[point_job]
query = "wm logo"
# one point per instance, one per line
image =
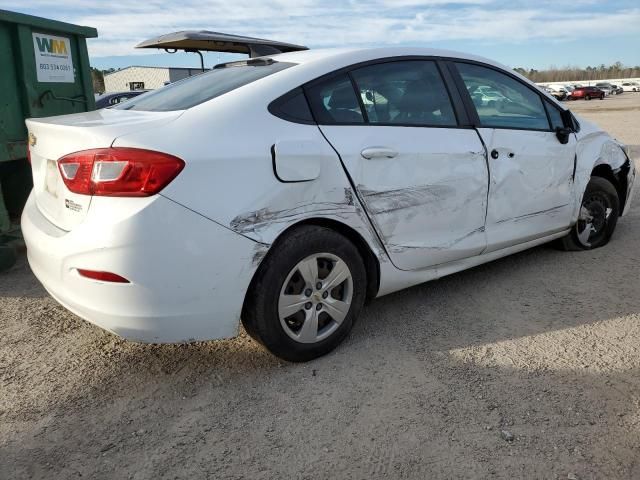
(49, 45)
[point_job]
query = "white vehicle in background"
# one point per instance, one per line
(569, 89)
(486, 95)
(558, 91)
(631, 86)
(267, 191)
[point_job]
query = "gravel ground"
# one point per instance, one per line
(618, 115)
(523, 368)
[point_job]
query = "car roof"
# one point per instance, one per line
(355, 55)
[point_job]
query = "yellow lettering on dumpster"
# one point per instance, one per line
(58, 46)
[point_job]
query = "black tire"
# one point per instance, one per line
(602, 97)
(260, 315)
(588, 97)
(599, 196)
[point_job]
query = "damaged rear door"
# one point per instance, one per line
(420, 172)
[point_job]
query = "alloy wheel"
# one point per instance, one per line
(594, 217)
(315, 298)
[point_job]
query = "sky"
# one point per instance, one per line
(535, 34)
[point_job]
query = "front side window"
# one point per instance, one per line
(195, 90)
(501, 101)
(555, 116)
(404, 93)
(334, 101)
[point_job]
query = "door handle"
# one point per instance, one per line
(378, 152)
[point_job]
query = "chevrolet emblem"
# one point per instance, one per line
(32, 139)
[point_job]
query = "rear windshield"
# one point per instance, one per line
(198, 89)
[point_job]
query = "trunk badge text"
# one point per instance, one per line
(73, 206)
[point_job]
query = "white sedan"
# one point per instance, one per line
(285, 191)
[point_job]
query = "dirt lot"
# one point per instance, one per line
(619, 115)
(524, 368)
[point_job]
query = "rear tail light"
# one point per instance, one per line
(118, 171)
(102, 276)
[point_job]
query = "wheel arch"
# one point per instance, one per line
(371, 263)
(618, 179)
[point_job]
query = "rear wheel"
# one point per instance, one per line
(588, 97)
(602, 97)
(598, 216)
(306, 295)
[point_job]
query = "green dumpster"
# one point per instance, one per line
(44, 72)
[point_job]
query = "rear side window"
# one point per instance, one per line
(201, 88)
(334, 101)
(405, 93)
(293, 107)
(502, 101)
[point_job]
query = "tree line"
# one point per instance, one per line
(602, 72)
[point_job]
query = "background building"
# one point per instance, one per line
(145, 78)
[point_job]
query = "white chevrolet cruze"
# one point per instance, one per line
(284, 191)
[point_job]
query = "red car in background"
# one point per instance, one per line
(587, 93)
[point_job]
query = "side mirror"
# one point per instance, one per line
(563, 134)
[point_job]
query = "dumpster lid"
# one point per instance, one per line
(47, 24)
(204, 40)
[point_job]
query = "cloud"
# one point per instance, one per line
(122, 24)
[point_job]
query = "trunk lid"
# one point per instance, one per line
(54, 137)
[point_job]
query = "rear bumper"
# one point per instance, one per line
(188, 274)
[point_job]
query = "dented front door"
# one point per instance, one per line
(531, 170)
(531, 190)
(425, 189)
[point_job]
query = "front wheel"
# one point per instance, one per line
(602, 97)
(306, 294)
(598, 216)
(588, 97)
